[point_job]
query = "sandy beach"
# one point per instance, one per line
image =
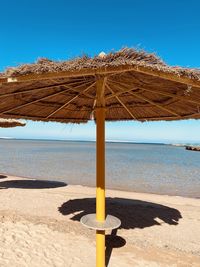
(40, 227)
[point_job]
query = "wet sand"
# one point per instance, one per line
(39, 226)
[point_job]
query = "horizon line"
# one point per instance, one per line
(107, 141)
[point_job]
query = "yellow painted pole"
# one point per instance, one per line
(100, 190)
(100, 173)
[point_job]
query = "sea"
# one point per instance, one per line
(150, 168)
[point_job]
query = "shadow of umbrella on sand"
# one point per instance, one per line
(2, 176)
(31, 184)
(132, 213)
(123, 85)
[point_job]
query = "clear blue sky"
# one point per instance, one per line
(63, 29)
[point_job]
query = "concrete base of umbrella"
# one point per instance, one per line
(99, 222)
(110, 222)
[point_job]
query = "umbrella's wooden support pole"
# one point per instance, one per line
(99, 221)
(100, 171)
(100, 183)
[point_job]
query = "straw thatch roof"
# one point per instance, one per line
(8, 123)
(138, 86)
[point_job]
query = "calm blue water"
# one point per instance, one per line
(162, 169)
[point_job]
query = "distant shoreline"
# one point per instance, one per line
(107, 141)
(85, 141)
(81, 141)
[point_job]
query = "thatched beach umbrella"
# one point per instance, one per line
(126, 85)
(9, 123)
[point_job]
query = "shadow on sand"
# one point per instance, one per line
(132, 213)
(113, 241)
(31, 184)
(2, 176)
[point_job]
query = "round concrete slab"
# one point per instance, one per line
(110, 222)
